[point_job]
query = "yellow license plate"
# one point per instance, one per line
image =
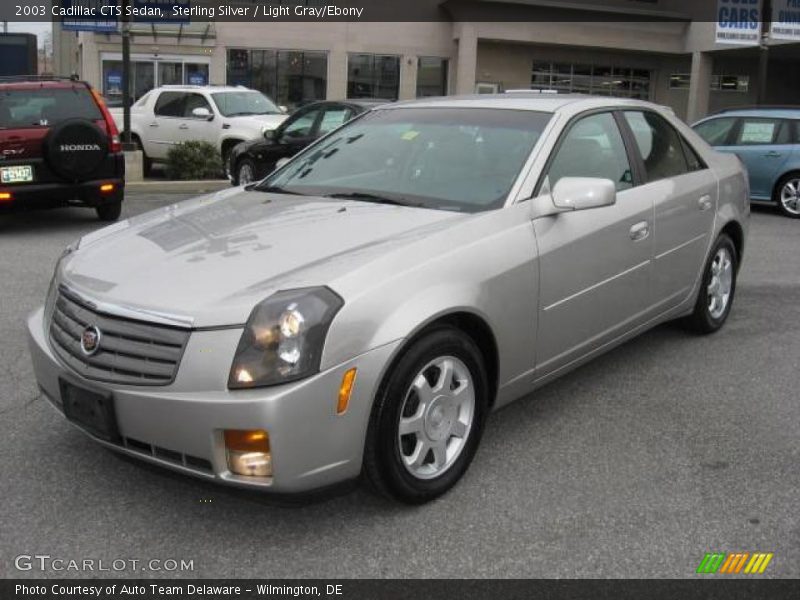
(18, 174)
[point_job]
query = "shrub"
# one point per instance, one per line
(194, 160)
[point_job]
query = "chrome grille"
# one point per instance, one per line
(130, 352)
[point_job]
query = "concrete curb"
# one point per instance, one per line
(177, 187)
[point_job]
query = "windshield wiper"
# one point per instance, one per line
(367, 197)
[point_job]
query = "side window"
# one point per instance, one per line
(659, 145)
(692, 158)
(592, 147)
(716, 131)
(333, 118)
(784, 135)
(754, 132)
(302, 125)
(194, 101)
(170, 104)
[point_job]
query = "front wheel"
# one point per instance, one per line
(428, 418)
(245, 172)
(787, 195)
(717, 288)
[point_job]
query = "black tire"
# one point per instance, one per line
(702, 320)
(383, 464)
(147, 163)
(109, 212)
(245, 163)
(792, 213)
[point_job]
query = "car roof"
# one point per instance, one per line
(784, 112)
(533, 101)
(19, 83)
(206, 88)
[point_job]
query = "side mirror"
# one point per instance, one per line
(281, 161)
(284, 109)
(270, 134)
(580, 193)
(202, 112)
(575, 193)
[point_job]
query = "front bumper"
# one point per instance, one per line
(180, 426)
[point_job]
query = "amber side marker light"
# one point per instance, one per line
(5, 196)
(107, 188)
(345, 389)
(248, 452)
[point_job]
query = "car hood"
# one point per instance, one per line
(210, 260)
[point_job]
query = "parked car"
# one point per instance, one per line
(767, 140)
(362, 309)
(220, 115)
(255, 159)
(58, 147)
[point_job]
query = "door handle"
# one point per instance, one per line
(704, 203)
(184, 126)
(153, 124)
(640, 231)
(773, 154)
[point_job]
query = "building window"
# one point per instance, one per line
(290, 77)
(719, 83)
(373, 76)
(431, 76)
(591, 79)
(149, 73)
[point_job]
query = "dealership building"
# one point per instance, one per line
(650, 49)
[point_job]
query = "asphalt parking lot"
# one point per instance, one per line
(635, 465)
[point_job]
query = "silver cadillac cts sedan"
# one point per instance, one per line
(360, 311)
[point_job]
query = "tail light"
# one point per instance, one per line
(114, 143)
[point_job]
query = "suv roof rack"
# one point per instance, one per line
(18, 78)
(759, 107)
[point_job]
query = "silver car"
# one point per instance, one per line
(362, 310)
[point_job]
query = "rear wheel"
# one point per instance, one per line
(109, 212)
(787, 195)
(717, 288)
(147, 163)
(428, 418)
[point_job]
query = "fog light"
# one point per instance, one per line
(5, 196)
(248, 452)
(107, 188)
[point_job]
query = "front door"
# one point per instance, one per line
(596, 264)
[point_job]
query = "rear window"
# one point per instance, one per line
(45, 107)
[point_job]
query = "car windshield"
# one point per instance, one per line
(45, 107)
(461, 159)
(234, 104)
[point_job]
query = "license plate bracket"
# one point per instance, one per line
(16, 174)
(91, 410)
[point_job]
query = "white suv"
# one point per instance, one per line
(220, 115)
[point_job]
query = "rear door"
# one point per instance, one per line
(764, 145)
(684, 192)
(194, 128)
(163, 131)
(595, 265)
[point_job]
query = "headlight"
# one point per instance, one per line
(283, 338)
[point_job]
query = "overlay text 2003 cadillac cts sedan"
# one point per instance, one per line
(362, 310)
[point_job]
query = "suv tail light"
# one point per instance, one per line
(114, 144)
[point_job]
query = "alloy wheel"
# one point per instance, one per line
(790, 196)
(721, 284)
(436, 417)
